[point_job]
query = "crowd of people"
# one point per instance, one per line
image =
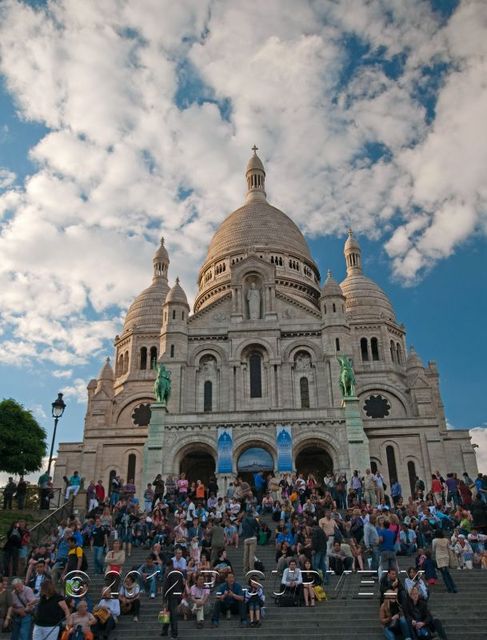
(316, 526)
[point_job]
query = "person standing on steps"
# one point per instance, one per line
(441, 556)
(159, 489)
(250, 529)
(172, 590)
(8, 494)
(319, 546)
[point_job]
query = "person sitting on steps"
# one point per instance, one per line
(229, 599)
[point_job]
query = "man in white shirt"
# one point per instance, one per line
(292, 579)
(178, 562)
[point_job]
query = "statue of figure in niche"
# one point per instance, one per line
(208, 364)
(303, 361)
(253, 299)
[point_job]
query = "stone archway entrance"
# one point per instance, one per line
(315, 459)
(198, 464)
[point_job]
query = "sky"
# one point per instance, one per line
(126, 120)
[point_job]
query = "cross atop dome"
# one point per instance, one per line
(255, 149)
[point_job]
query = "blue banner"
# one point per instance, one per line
(284, 445)
(225, 450)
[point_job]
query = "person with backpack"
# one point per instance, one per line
(77, 560)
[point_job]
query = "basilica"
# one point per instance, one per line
(255, 368)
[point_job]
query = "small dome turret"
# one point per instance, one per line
(106, 372)
(177, 295)
(414, 361)
(331, 288)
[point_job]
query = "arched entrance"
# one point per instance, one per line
(198, 464)
(314, 459)
(252, 460)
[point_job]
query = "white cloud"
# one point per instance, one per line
(62, 373)
(7, 177)
(38, 412)
(104, 77)
(77, 391)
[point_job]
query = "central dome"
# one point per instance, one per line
(258, 229)
(257, 224)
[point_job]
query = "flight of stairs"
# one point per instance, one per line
(346, 614)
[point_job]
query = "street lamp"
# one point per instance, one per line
(58, 407)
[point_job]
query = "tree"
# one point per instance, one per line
(22, 439)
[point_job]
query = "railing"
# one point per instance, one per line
(41, 531)
(32, 499)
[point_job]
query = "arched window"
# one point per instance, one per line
(412, 476)
(334, 308)
(393, 352)
(337, 344)
(120, 365)
(255, 366)
(131, 467)
(373, 466)
(182, 315)
(374, 347)
(171, 353)
(126, 362)
(324, 308)
(153, 357)
(208, 396)
(398, 353)
(143, 358)
(174, 314)
(364, 348)
(391, 463)
(304, 392)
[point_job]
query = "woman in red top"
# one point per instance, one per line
(436, 490)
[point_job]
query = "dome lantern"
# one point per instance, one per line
(160, 261)
(353, 254)
(255, 175)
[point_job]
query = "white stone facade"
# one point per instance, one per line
(263, 341)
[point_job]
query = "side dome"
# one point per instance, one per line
(363, 297)
(145, 312)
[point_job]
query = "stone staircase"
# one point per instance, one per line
(351, 611)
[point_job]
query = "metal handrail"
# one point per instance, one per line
(42, 529)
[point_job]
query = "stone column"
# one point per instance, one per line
(358, 443)
(153, 448)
